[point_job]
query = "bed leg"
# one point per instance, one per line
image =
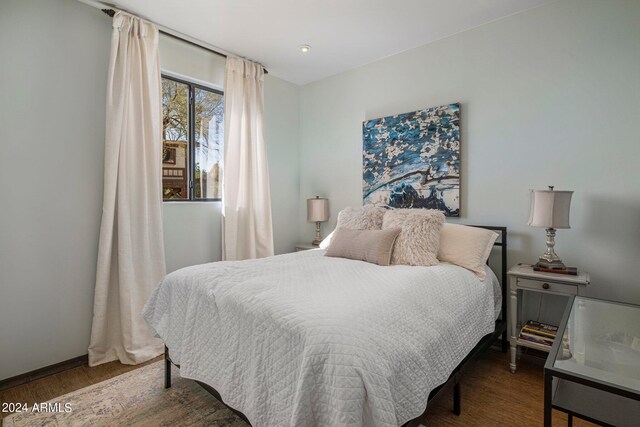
(456, 397)
(167, 368)
(505, 342)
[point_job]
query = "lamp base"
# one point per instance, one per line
(550, 259)
(318, 239)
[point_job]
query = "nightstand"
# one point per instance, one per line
(523, 278)
(305, 247)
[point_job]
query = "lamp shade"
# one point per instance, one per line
(317, 209)
(549, 208)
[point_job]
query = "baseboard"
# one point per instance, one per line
(44, 372)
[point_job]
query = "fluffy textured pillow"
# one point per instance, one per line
(367, 217)
(468, 247)
(373, 246)
(418, 242)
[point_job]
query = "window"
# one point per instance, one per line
(192, 133)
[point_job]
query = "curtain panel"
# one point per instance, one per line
(131, 250)
(248, 230)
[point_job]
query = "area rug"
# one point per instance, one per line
(137, 398)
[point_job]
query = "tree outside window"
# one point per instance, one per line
(192, 129)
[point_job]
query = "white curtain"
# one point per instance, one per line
(248, 231)
(131, 250)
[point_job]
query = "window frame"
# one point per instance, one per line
(192, 138)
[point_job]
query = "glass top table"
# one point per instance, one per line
(593, 368)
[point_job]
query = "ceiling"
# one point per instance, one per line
(343, 34)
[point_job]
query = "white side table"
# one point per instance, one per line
(305, 247)
(523, 278)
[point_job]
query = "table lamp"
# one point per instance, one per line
(317, 211)
(550, 210)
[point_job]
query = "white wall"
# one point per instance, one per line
(550, 96)
(281, 111)
(52, 83)
(191, 62)
(52, 100)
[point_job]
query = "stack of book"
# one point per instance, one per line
(539, 333)
(571, 271)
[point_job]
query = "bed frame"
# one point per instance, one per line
(455, 377)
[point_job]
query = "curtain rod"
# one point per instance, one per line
(112, 12)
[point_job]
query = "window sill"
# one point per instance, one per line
(191, 201)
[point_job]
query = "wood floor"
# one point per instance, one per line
(65, 382)
(491, 395)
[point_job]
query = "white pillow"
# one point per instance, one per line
(374, 246)
(417, 243)
(367, 217)
(466, 246)
(327, 240)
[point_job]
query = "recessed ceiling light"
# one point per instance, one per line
(304, 48)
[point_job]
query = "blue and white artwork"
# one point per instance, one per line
(412, 160)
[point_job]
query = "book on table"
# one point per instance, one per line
(544, 334)
(545, 343)
(536, 338)
(571, 271)
(541, 327)
(539, 333)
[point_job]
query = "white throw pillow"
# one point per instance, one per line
(327, 240)
(466, 246)
(418, 242)
(374, 246)
(367, 217)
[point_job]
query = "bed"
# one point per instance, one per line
(304, 339)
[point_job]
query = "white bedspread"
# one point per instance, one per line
(307, 340)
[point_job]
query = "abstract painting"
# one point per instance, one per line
(412, 160)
